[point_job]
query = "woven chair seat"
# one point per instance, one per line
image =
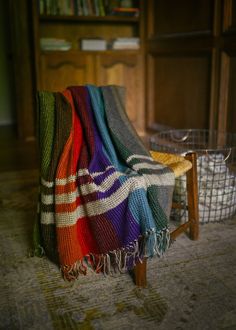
(177, 163)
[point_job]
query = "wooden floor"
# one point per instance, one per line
(14, 153)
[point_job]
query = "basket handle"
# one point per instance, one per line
(182, 139)
(219, 161)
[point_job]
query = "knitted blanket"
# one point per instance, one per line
(104, 202)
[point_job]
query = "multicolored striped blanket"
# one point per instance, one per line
(104, 202)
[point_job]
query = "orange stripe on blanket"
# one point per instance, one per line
(72, 246)
(66, 207)
(69, 248)
(67, 188)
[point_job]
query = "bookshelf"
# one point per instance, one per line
(56, 69)
(75, 18)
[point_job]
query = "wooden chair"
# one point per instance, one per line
(181, 166)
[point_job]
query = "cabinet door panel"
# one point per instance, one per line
(178, 90)
(185, 17)
(227, 102)
(58, 72)
(123, 70)
(229, 16)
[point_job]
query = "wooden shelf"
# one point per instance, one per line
(102, 52)
(36, 69)
(89, 19)
(56, 69)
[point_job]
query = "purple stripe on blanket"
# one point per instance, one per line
(124, 223)
(87, 196)
(98, 179)
(99, 161)
(115, 186)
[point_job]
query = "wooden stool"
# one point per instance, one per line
(181, 166)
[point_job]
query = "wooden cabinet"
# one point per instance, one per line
(125, 71)
(55, 70)
(191, 64)
(227, 83)
(182, 76)
(59, 70)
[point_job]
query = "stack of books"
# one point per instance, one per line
(93, 44)
(55, 44)
(72, 7)
(126, 43)
(87, 7)
(122, 11)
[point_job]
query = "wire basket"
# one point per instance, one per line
(216, 170)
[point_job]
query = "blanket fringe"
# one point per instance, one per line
(72, 272)
(37, 251)
(156, 243)
(121, 260)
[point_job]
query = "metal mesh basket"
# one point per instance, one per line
(216, 166)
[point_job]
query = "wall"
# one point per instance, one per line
(7, 115)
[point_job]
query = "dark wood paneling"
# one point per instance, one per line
(229, 16)
(227, 104)
(182, 18)
(232, 96)
(22, 66)
(185, 69)
(179, 90)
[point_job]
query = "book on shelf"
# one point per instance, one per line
(96, 7)
(120, 11)
(86, 8)
(71, 7)
(93, 44)
(125, 43)
(126, 3)
(48, 44)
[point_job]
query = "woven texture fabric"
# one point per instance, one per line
(104, 201)
(177, 163)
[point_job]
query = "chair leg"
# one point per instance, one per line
(192, 196)
(140, 273)
(193, 214)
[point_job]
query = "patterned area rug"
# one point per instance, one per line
(192, 287)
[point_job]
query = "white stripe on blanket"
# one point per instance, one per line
(141, 166)
(138, 157)
(72, 178)
(89, 188)
(103, 205)
(84, 172)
